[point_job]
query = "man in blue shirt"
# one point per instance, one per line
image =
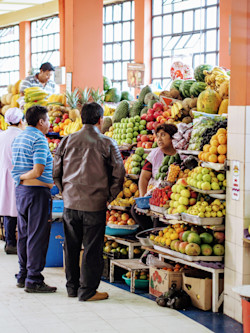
(32, 172)
(41, 79)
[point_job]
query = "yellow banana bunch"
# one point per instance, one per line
(214, 78)
(175, 110)
(73, 126)
(108, 110)
(57, 98)
(3, 124)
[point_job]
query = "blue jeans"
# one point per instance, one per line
(10, 223)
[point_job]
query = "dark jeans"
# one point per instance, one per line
(10, 230)
(145, 222)
(87, 229)
(33, 204)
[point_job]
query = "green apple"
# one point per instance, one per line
(206, 186)
(143, 122)
(185, 193)
(205, 171)
(183, 201)
(221, 177)
(206, 178)
(215, 186)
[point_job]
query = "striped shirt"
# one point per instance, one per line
(30, 148)
(32, 81)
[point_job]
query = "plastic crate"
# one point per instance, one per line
(54, 256)
(143, 202)
(57, 206)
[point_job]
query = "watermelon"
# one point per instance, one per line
(185, 88)
(176, 84)
(196, 88)
(198, 72)
(106, 83)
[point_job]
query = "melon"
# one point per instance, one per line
(176, 84)
(197, 88)
(198, 72)
(209, 101)
(185, 88)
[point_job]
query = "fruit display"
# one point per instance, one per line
(72, 126)
(58, 119)
(215, 77)
(126, 197)
(216, 150)
(135, 162)
(9, 100)
(216, 208)
(211, 131)
(173, 172)
(53, 144)
(199, 72)
(139, 275)
(181, 198)
(3, 124)
(191, 240)
(119, 218)
(59, 99)
(166, 163)
(182, 137)
(156, 115)
(126, 131)
(161, 196)
(206, 179)
(185, 88)
(34, 96)
(109, 109)
(209, 101)
(146, 141)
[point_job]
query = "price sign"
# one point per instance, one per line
(236, 181)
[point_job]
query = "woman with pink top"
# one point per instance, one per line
(14, 117)
(164, 134)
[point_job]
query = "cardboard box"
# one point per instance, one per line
(198, 285)
(160, 281)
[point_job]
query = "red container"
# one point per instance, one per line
(246, 315)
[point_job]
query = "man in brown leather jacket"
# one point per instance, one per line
(89, 171)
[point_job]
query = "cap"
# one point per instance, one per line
(13, 116)
(47, 67)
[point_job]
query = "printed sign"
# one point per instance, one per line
(236, 181)
(135, 75)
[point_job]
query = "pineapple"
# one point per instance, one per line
(97, 96)
(84, 96)
(72, 100)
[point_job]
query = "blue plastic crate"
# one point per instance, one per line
(54, 256)
(143, 202)
(57, 206)
(119, 232)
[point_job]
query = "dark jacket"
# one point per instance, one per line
(88, 170)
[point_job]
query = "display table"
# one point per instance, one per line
(216, 298)
(131, 265)
(131, 244)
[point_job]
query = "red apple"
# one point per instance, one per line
(139, 144)
(143, 117)
(150, 125)
(158, 106)
(148, 145)
(138, 138)
(144, 138)
(150, 112)
(150, 117)
(151, 137)
(65, 116)
(193, 194)
(57, 120)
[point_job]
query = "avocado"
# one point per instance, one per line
(164, 168)
(166, 160)
(171, 160)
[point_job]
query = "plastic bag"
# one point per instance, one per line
(155, 262)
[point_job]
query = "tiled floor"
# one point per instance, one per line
(51, 313)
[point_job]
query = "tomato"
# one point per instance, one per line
(139, 144)
(144, 138)
(148, 145)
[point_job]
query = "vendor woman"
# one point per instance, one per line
(164, 135)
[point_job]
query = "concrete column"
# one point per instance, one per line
(24, 48)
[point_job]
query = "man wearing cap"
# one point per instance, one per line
(14, 117)
(41, 79)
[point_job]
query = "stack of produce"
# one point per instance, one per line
(126, 197)
(181, 198)
(182, 110)
(3, 124)
(72, 126)
(182, 137)
(209, 132)
(167, 161)
(158, 114)
(9, 100)
(217, 208)
(58, 121)
(127, 130)
(216, 150)
(34, 96)
(146, 141)
(114, 95)
(141, 275)
(115, 248)
(206, 179)
(194, 242)
(57, 99)
(161, 196)
(215, 77)
(119, 218)
(109, 109)
(135, 162)
(53, 144)
(173, 173)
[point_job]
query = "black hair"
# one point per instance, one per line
(47, 67)
(171, 129)
(91, 113)
(35, 113)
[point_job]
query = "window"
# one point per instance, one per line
(118, 41)
(45, 41)
(184, 30)
(9, 57)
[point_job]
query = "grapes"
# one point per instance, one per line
(209, 132)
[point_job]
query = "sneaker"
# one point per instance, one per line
(98, 296)
(9, 249)
(40, 288)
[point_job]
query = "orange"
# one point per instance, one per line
(214, 137)
(222, 149)
(61, 133)
(206, 156)
(213, 158)
(61, 125)
(213, 150)
(221, 158)
(221, 131)
(200, 155)
(222, 139)
(214, 142)
(67, 121)
(206, 148)
(56, 129)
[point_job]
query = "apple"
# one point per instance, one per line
(181, 209)
(206, 250)
(125, 217)
(215, 186)
(149, 125)
(206, 186)
(206, 178)
(157, 114)
(221, 177)
(185, 193)
(192, 249)
(57, 120)
(150, 118)
(144, 138)
(204, 171)
(176, 245)
(182, 247)
(183, 201)
(151, 137)
(219, 236)
(130, 221)
(65, 116)
(172, 245)
(158, 106)
(150, 112)
(192, 201)
(218, 250)
(148, 145)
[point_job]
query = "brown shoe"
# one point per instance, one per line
(98, 296)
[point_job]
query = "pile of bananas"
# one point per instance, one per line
(3, 124)
(57, 99)
(176, 110)
(126, 197)
(215, 78)
(73, 126)
(34, 96)
(109, 109)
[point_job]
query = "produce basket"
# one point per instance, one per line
(188, 152)
(139, 284)
(201, 220)
(157, 209)
(143, 202)
(206, 192)
(172, 216)
(185, 256)
(214, 166)
(120, 230)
